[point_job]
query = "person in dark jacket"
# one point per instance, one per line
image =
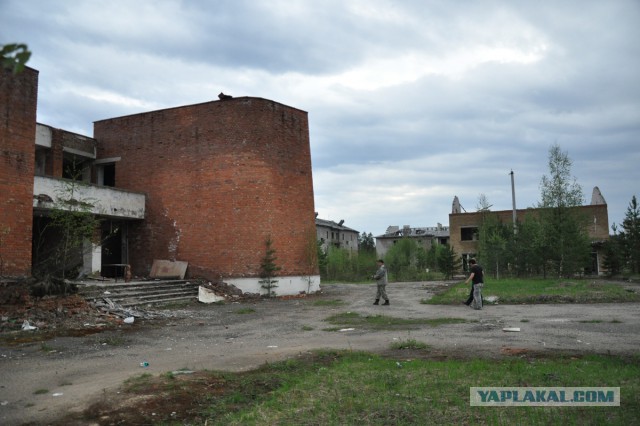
(476, 277)
(381, 280)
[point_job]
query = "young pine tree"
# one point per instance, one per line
(269, 269)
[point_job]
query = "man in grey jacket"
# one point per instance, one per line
(381, 280)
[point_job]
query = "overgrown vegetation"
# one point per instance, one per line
(14, 56)
(405, 261)
(338, 387)
(517, 291)
(622, 251)
(70, 230)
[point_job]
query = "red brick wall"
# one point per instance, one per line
(219, 178)
(18, 101)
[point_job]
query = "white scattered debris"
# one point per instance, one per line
(272, 346)
(57, 394)
(346, 329)
(129, 320)
(206, 295)
(491, 299)
(514, 329)
(28, 327)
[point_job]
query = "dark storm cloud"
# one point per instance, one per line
(409, 102)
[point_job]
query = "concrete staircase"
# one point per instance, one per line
(141, 293)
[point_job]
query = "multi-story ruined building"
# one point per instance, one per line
(205, 184)
(426, 237)
(332, 234)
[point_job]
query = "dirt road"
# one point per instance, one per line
(238, 336)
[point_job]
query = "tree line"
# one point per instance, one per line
(549, 241)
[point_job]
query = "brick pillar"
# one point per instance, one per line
(18, 101)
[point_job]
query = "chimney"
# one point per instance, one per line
(341, 222)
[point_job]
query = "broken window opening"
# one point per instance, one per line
(107, 174)
(469, 233)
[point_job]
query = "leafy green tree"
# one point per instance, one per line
(525, 248)
(73, 226)
(559, 188)
(564, 239)
(14, 56)
(406, 260)
(630, 233)
(483, 203)
(614, 257)
(492, 245)
(269, 269)
(322, 258)
(366, 242)
(312, 257)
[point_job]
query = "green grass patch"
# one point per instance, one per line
(384, 322)
(360, 388)
(44, 347)
(409, 344)
(245, 311)
(531, 291)
(41, 391)
(137, 383)
(307, 328)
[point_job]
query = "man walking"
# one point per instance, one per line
(476, 277)
(381, 281)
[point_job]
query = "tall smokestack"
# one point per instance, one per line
(513, 198)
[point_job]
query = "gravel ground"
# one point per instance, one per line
(238, 336)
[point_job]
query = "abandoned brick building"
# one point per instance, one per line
(205, 184)
(464, 228)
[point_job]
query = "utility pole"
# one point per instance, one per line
(513, 198)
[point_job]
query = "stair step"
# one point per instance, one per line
(143, 292)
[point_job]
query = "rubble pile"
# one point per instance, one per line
(109, 307)
(50, 313)
(43, 305)
(228, 291)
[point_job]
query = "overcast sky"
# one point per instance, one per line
(410, 102)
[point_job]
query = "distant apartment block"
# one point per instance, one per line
(332, 234)
(426, 237)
